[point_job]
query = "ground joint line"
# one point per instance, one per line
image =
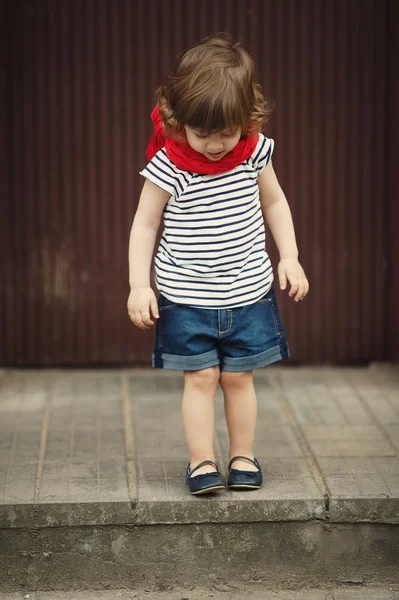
(129, 440)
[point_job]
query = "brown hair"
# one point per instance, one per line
(214, 86)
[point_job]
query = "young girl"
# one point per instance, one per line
(211, 177)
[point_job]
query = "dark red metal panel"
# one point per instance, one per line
(83, 75)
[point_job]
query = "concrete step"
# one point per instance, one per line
(92, 465)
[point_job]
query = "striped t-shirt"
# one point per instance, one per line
(212, 252)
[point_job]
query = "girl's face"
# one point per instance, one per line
(215, 145)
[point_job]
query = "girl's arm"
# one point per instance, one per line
(278, 217)
(141, 247)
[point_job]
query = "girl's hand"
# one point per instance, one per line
(291, 270)
(139, 304)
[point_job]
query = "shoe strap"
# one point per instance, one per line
(254, 462)
(204, 462)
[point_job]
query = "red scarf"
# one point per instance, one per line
(187, 159)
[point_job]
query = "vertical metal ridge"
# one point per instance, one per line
(383, 119)
(7, 300)
(34, 192)
(315, 265)
(12, 349)
(327, 196)
(391, 216)
(87, 276)
(77, 46)
(66, 179)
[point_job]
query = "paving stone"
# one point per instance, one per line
(80, 437)
(20, 483)
(378, 392)
(6, 443)
(347, 440)
(112, 443)
(393, 433)
(3, 477)
(58, 444)
(26, 446)
(352, 450)
(322, 398)
(362, 488)
(360, 476)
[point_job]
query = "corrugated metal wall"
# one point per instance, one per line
(81, 77)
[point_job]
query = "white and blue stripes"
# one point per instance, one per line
(212, 253)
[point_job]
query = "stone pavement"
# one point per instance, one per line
(98, 441)
(92, 479)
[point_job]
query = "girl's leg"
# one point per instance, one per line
(241, 410)
(198, 415)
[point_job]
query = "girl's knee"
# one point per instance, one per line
(205, 378)
(229, 379)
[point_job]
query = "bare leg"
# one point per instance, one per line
(198, 412)
(241, 411)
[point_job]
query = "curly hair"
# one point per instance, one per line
(214, 86)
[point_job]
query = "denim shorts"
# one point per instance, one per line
(236, 339)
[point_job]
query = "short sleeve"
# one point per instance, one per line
(262, 153)
(161, 171)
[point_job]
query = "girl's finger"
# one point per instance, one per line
(306, 287)
(294, 286)
(283, 280)
(301, 291)
(138, 321)
(154, 308)
(145, 317)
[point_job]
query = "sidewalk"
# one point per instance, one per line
(326, 439)
(95, 448)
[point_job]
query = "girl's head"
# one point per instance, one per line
(213, 97)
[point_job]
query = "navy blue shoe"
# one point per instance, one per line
(244, 480)
(206, 482)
